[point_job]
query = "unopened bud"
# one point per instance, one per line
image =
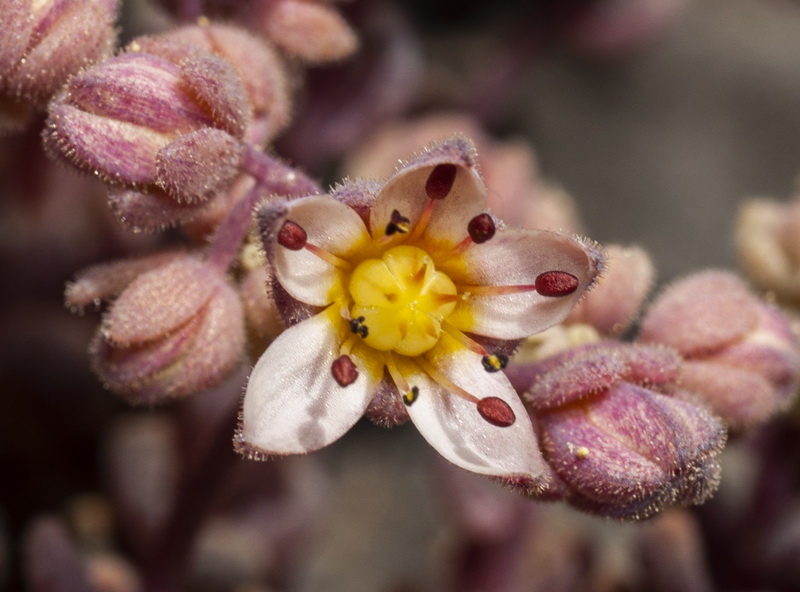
(175, 330)
(113, 119)
(614, 302)
(740, 354)
(620, 439)
(44, 43)
(313, 32)
(199, 165)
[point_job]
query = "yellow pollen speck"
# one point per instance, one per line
(582, 452)
(403, 300)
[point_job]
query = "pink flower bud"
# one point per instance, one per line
(310, 31)
(612, 305)
(174, 330)
(44, 43)
(619, 437)
(199, 165)
(740, 353)
(113, 119)
(260, 69)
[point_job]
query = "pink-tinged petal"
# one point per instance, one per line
(701, 313)
(741, 397)
(405, 192)
(113, 150)
(456, 429)
(518, 258)
(107, 280)
(330, 225)
(160, 300)
(293, 403)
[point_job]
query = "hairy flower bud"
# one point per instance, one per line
(199, 165)
(620, 438)
(260, 69)
(175, 329)
(44, 43)
(740, 353)
(615, 301)
(114, 119)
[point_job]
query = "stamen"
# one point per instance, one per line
(424, 219)
(556, 283)
(496, 411)
(358, 327)
(491, 362)
(440, 181)
(292, 236)
(397, 223)
(410, 394)
(494, 362)
(481, 228)
(445, 382)
(328, 257)
(464, 339)
(344, 371)
(495, 290)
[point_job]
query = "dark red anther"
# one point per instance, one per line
(440, 181)
(292, 236)
(344, 371)
(556, 283)
(496, 411)
(481, 228)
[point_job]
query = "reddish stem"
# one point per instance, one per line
(272, 178)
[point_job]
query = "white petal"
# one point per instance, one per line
(457, 431)
(330, 225)
(292, 403)
(405, 192)
(513, 258)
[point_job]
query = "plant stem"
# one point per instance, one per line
(272, 178)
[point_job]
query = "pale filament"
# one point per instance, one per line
(327, 256)
(445, 382)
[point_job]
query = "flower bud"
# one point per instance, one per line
(175, 329)
(199, 165)
(260, 69)
(767, 242)
(612, 305)
(621, 440)
(115, 118)
(740, 354)
(44, 43)
(311, 31)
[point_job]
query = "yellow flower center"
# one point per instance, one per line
(400, 300)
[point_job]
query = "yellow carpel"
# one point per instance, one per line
(403, 299)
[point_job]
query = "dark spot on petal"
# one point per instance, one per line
(481, 228)
(292, 236)
(344, 371)
(496, 411)
(556, 283)
(440, 181)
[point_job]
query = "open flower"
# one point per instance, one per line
(418, 289)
